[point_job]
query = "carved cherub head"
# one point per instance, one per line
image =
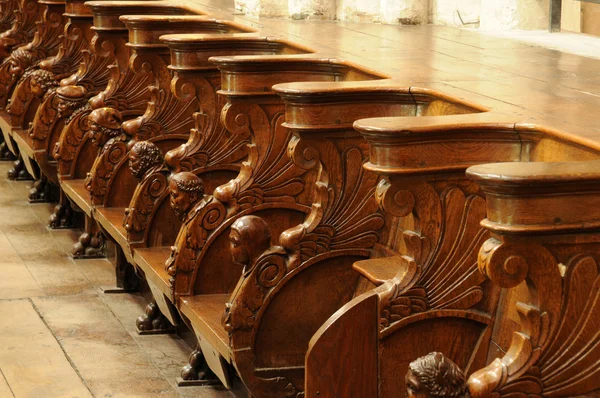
(250, 236)
(41, 81)
(185, 190)
(105, 123)
(71, 98)
(433, 376)
(143, 156)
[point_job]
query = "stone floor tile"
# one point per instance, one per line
(30, 357)
(17, 282)
(5, 388)
(106, 356)
(59, 276)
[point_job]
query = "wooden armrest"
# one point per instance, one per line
(380, 270)
(536, 173)
(524, 198)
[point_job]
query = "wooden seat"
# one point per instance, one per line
(111, 219)
(205, 313)
(76, 191)
(152, 261)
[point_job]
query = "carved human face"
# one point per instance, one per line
(135, 164)
(239, 254)
(36, 88)
(98, 134)
(181, 201)
(65, 108)
(414, 389)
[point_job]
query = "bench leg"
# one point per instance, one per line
(5, 153)
(153, 322)
(63, 216)
(41, 192)
(19, 171)
(197, 372)
(91, 242)
(127, 280)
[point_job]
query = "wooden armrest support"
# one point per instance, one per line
(544, 222)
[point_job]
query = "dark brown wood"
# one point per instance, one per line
(23, 27)
(543, 219)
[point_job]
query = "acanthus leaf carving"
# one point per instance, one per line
(444, 250)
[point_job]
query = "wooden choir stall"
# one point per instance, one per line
(322, 227)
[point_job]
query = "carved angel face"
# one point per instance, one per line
(136, 164)
(36, 88)
(98, 134)
(65, 108)
(414, 388)
(239, 254)
(181, 201)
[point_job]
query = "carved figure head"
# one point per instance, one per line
(250, 236)
(434, 375)
(105, 123)
(41, 81)
(185, 190)
(20, 59)
(143, 156)
(71, 98)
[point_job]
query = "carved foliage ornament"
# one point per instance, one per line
(444, 251)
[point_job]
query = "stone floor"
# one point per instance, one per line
(60, 336)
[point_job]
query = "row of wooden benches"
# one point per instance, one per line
(312, 221)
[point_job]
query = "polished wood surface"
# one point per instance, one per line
(304, 206)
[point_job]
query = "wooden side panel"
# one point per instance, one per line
(342, 356)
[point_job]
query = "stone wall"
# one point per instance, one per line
(485, 14)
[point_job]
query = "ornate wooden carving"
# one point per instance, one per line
(30, 92)
(210, 151)
(435, 375)
(555, 252)
(46, 41)
(7, 14)
(23, 28)
(166, 116)
(126, 90)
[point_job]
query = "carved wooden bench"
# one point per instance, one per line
(165, 124)
(23, 61)
(8, 12)
(39, 90)
(125, 93)
(434, 213)
(211, 152)
(203, 318)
